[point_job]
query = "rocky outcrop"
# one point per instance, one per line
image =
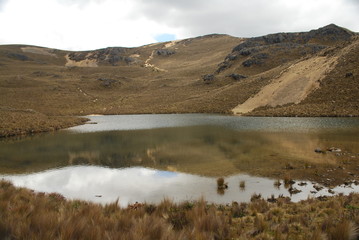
(165, 52)
(259, 50)
(208, 78)
(113, 56)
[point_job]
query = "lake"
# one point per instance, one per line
(177, 156)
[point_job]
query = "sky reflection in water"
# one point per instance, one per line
(104, 185)
(125, 150)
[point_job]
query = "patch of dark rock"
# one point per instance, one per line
(114, 59)
(236, 76)
(331, 32)
(318, 150)
(275, 38)
(18, 56)
(165, 52)
(223, 66)
(107, 82)
(330, 35)
(231, 57)
(246, 51)
(208, 78)
(247, 44)
(78, 56)
(260, 56)
(251, 62)
(111, 55)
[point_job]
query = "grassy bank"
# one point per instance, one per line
(16, 122)
(25, 214)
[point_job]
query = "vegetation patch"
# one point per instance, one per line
(25, 214)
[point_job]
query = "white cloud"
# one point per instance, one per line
(91, 24)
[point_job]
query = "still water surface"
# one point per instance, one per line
(150, 157)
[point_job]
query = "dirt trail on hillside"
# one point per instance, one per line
(291, 86)
(151, 66)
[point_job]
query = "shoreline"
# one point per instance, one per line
(28, 214)
(50, 123)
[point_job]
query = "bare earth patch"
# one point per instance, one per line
(41, 51)
(292, 86)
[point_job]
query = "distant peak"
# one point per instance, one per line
(334, 27)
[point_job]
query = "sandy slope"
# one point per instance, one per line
(292, 85)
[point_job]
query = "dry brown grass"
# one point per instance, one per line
(28, 215)
(27, 121)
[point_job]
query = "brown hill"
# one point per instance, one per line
(312, 73)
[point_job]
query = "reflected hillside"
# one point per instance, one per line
(200, 150)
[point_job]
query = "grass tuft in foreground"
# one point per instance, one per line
(25, 214)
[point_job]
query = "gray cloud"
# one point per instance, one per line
(354, 3)
(137, 22)
(78, 3)
(2, 4)
(238, 17)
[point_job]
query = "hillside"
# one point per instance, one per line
(312, 73)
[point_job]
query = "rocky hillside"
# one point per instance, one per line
(311, 73)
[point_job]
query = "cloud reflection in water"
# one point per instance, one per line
(148, 185)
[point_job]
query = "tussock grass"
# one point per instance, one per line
(220, 182)
(242, 185)
(25, 214)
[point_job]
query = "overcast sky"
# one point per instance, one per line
(93, 24)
